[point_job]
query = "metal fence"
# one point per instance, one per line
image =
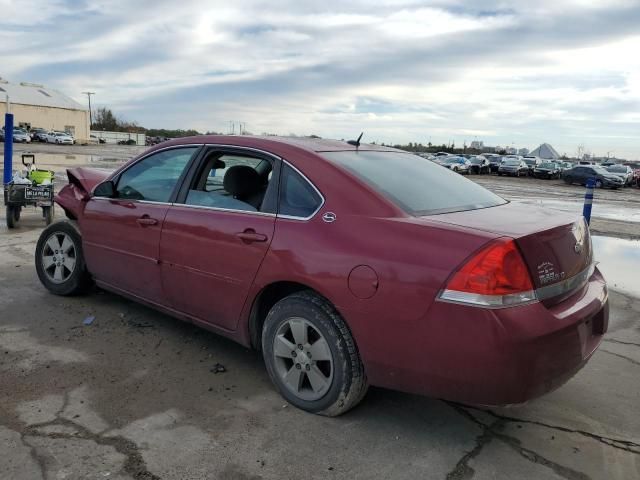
(116, 137)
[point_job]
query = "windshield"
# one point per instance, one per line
(547, 165)
(453, 160)
(416, 185)
(510, 162)
(600, 170)
(476, 161)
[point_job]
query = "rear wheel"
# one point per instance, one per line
(311, 356)
(60, 261)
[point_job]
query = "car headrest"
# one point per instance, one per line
(241, 181)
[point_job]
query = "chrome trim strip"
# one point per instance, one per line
(573, 283)
(232, 210)
(487, 301)
(132, 200)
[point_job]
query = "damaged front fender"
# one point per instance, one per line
(74, 196)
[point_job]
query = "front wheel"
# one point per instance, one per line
(60, 260)
(311, 356)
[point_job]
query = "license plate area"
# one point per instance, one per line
(37, 193)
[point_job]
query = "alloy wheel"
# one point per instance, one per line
(59, 257)
(303, 359)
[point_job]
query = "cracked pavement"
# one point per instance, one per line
(132, 396)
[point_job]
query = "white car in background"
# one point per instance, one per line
(21, 136)
(60, 138)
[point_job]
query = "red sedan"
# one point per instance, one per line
(346, 265)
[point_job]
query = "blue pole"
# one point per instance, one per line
(8, 147)
(588, 200)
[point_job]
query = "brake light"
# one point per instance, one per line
(496, 276)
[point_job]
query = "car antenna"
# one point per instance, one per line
(356, 143)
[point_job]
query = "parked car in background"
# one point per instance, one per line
(622, 171)
(38, 134)
(548, 170)
(582, 173)
(60, 138)
(564, 166)
(532, 163)
(636, 177)
(456, 164)
(479, 165)
(21, 136)
(2, 134)
(513, 166)
(494, 161)
(474, 292)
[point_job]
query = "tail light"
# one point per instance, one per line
(496, 276)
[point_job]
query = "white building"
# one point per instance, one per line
(36, 106)
(477, 145)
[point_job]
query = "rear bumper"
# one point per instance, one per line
(504, 356)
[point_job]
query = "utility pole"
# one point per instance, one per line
(88, 94)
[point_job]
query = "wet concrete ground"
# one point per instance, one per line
(133, 396)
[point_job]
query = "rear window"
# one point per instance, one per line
(415, 184)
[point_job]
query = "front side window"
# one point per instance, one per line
(233, 182)
(155, 177)
(416, 185)
(298, 198)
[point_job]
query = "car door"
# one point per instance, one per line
(216, 236)
(121, 235)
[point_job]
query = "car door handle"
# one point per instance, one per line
(146, 221)
(251, 236)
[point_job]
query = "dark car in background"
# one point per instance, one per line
(602, 178)
(494, 162)
(623, 171)
(39, 134)
(514, 167)
(479, 165)
(532, 163)
(479, 301)
(547, 170)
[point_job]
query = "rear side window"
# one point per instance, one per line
(298, 198)
(154, 178)
(416, 185)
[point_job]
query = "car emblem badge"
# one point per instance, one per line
(329, 217)
(579, 234)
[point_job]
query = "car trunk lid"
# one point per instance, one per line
(555, 246)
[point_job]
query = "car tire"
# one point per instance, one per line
(598, 183)
(338, 382)
(59, 246)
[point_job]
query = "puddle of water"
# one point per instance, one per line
(599, 210)
(619, 262)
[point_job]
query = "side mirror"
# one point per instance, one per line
(105, 189)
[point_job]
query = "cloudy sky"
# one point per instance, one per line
(565, 72)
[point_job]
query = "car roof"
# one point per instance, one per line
(310, 144)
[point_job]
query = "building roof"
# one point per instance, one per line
(38, 95)
(545, 151)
